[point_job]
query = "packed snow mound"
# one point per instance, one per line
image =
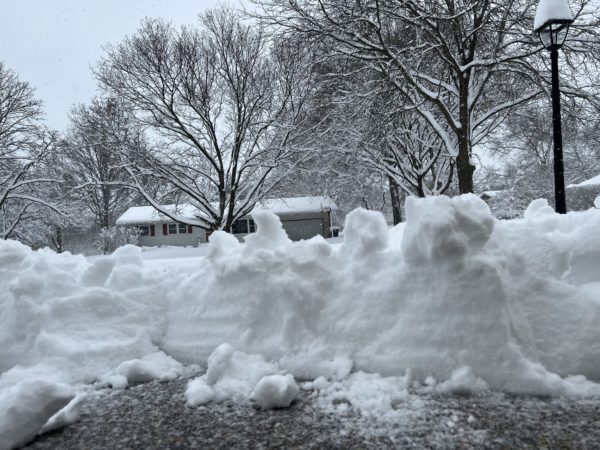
(67, 320)
(82, 318)
(452, 295)
(242, 377)
(515, 301)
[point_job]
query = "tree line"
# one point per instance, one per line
(366, 101)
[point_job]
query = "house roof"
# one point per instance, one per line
(143, 214)
(187, 212)
(296, 205)
(591, 182)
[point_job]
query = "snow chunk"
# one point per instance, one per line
(155, 366)
(66, 416)
(218, 363)
(365, 233)
(275, 391)
(463, 382)
(238, 376)
(198, 392)
(373, 396)
(26, 407)
(98, 272)
(538, 208)
(269, 235)
(442, 229)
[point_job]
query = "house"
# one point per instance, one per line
(581, 196)
(301, 217)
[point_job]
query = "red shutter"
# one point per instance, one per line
(152, 230)
(165, 229)
(189, 229)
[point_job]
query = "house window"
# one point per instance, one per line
(243, 226)
(144, 230)
(239, 227)
(177, 228)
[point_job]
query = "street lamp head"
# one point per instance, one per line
(552, 20)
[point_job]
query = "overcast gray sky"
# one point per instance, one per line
(52, 43)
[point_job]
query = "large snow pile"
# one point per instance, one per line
(452, 299)
(66, 321)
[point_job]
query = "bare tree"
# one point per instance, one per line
(99, 135)
(218, 100)
(24, 148)
(524, 143)
(462, 65)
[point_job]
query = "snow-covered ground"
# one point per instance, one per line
(451, 301)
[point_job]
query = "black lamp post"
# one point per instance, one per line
(552, 21)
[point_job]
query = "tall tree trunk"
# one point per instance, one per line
(396, 202)
(464, 168)
(105, 213)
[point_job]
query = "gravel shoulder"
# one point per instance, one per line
(154, 416)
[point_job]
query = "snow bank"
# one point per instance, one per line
(452, 295)
(65, 320)
(515, 301)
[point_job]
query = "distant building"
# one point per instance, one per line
(581, 196)
(301, 217)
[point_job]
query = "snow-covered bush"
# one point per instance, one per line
(111, 238)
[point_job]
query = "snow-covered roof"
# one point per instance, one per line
(143, 214)
(548, 10)
(591, 182)
(280, 206)
(296, 205)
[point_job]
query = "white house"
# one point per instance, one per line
(301, 217)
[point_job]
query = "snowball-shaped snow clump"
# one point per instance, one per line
(441, 229)
(538, 208)
(275, 391)
(365, 233)
(198, 392)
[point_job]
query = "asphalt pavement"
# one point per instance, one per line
(154, 416)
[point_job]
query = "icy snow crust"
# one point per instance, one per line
(452, 300)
